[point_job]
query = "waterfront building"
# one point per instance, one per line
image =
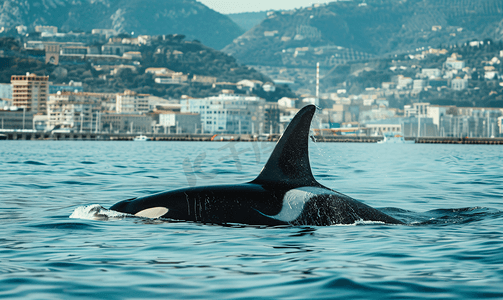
(271, 118)
(30, 92)
(173, 122)
(228, 113)
(132, 102)
(126, 123)
(78, 112)
(379, 127)
(376, 113)
(408, 127)
(17, 119)
(468, 121)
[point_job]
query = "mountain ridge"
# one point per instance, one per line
(355, 30)
(188, 17)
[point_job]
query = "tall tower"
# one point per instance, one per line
(30, 91)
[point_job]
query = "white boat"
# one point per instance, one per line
(394, 139)
(141, 138)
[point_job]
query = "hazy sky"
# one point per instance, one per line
(236, 6)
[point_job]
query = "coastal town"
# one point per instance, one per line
(35, 103)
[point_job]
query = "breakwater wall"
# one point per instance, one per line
(44, 135)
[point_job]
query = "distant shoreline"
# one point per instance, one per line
(42, 135)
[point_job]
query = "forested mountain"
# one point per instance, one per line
(152, 17)
(352, 30)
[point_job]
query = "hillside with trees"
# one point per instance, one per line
(356, 77)
(153, 17)
(344, 31)
(172, 52)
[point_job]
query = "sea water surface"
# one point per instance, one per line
(451, 197)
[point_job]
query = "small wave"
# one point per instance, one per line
(77, 182)
(37, 163)
(452, 216)
(64, 225)
(96, 212)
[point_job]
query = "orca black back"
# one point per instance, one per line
(285, 192)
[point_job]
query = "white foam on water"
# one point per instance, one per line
(96, 212)
(361, 222)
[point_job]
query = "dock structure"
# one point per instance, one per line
(75, 136)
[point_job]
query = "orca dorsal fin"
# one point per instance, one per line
(289, 162)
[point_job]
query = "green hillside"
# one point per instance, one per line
(344, 31)
(153, 17)
(194, 59)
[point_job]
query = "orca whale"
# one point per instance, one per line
(284, 193)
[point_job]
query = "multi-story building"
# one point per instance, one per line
(126, 123)
(271, 118)
(174, 122)
(16, 119)
(30, 92)
(228, 113)
(416, 109)
(409, 127)
(467, 121)
(74, 111)
(132, 102)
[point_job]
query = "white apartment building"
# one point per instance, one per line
(132, 102)
(180, 122)
(74, 111)
(232, 114)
